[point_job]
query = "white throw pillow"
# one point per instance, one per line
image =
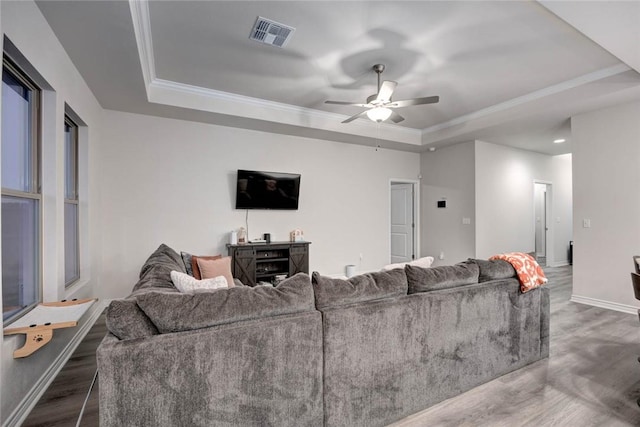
(190, 285)
(424, 262)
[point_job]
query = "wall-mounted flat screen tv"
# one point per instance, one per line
(267, 190)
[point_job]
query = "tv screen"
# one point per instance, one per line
(267, 190)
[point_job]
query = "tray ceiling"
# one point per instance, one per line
(505, 71)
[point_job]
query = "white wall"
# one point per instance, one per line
(562, 217)
(493, 186)
(606, 189)
(448, 173)
(171, 181)
(25, 26)
(504, 200)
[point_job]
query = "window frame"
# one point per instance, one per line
(35, 176)
(68, 121)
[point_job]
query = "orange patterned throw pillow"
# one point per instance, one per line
(529, 271)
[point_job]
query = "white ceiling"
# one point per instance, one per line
(506, 72)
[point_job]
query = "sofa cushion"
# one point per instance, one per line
(494, 269)
(126, 321)
(190, 285)
(442, 277)
(156, 271)
(174, 312)
(331, 292)
(195, 267)
(424, 262)
(186, 259)
(210, 268)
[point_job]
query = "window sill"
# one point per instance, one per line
(76, 287)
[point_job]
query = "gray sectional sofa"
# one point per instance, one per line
(360, 352)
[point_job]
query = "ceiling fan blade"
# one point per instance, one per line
(415, 101)
(395, 117)
(352, 118)
(346, 103)
(386, 90)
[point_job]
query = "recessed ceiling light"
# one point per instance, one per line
(559, 141)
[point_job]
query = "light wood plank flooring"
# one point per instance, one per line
(592, 377)
(60, 405)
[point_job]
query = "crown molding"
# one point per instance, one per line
(532, 96)
(224, 102)
(142, 29)
(204, 99)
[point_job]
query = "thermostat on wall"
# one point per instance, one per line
(442, 203)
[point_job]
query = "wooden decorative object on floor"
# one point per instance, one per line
(40, 322)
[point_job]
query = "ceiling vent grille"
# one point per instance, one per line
(271, 32)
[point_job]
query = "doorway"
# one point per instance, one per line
(403, 227)
(542, 222)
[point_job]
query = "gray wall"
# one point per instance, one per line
(448, 173)
(606, 177)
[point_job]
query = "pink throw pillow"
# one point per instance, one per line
(194, 264)
(210, 268)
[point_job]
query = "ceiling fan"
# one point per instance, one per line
(380, 106)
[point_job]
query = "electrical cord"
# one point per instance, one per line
(246, 222)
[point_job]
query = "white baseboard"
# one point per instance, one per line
(604, 304)
(21, 412)
(560, 264)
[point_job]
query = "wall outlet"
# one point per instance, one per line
(441, 256)
(586, 223)
(466, 221)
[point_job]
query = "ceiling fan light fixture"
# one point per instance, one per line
(379, 114)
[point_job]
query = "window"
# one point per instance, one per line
(71, 249)
(21, 201)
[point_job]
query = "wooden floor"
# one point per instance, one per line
(592, 377)
(60, 405)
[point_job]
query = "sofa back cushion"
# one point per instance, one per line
(442, 277)
(330, 292)
(126, 321)
(174, 312)
(156, 271)
(494, 270)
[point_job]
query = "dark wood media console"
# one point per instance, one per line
(262, 262)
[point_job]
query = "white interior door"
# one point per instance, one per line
(540, 193)
(402, 223)
(543, 224)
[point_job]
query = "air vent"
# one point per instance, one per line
(271, 32)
